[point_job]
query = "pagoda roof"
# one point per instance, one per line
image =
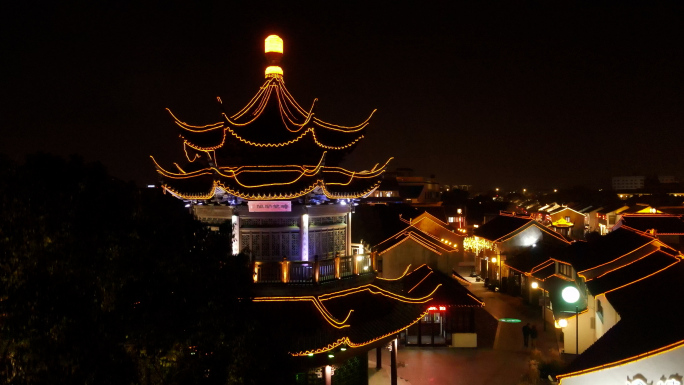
(272, 119)
(273, 148)
(271, 182)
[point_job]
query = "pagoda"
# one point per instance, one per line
(272, 169)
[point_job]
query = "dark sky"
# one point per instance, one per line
(508, 94)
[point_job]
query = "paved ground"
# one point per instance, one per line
(504, 364)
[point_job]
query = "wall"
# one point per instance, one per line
(394, 262)
(586, 333)
(578, 219)
(651, 369)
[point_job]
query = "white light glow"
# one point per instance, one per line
(562, 322)
(570, 294)
(535, 285)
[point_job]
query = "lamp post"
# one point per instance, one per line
(571, 295)
(494, 262)
(534, 286)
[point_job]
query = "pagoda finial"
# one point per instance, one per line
(273, 47)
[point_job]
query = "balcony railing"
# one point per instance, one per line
(313, 272)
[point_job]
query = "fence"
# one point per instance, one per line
(313, 272)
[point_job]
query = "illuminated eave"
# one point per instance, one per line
(336, 176)
(332, 321)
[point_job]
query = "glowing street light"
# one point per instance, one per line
(570, 295)
(535, 285)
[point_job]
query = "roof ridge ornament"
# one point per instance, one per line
(273, 48)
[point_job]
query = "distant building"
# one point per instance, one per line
(628, 182)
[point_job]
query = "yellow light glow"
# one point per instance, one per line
(562, 322)
(493, 259)
(273, 43)
(274, 71)
(535, 285)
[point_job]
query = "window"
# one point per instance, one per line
(567, 219)
(451, 219)
(564, 269)
(599, 310)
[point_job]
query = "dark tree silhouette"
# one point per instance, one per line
(104, 283)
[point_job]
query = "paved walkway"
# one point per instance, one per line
(504, 364)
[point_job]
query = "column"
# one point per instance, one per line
(349, 242)
(304, 236)
(378, 357)
(327, 374)
(393, 363)
(235, 221)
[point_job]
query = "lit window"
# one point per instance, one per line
(451, 219)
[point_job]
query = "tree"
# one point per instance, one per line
(104, 283)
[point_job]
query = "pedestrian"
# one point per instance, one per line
(526, 333)
(533, 336)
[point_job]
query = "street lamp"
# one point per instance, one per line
(570, 295)
(535, 285)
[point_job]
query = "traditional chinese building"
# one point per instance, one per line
(272, 169)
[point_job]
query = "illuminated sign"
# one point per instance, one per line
(435, 308)
(269, 206)
(510, 320)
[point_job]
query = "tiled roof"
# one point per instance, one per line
(663, 224)
(630, 272)
(533, 256)
(359, 316)
(451, 292)
(545, 271)
(586, 255)
(650, 320)
(424, 239)
(501, 226)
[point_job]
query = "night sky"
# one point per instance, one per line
(511, 95)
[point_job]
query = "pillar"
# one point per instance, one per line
(285, 271)
(349, 242)
(393, 363)
(304, 237)
(235, 221)
(327, 374)
(378, 357)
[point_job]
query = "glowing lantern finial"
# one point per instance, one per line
(273, 43)
(273, 47)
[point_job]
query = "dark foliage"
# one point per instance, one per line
(105, 283)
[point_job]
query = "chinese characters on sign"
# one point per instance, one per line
(269, 206)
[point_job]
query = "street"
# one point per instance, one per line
(504, 364)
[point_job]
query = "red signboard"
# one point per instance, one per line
(269, 206)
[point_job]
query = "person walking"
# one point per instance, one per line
(526, 334)
(533, 336)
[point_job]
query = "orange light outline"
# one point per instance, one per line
(624, 361)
